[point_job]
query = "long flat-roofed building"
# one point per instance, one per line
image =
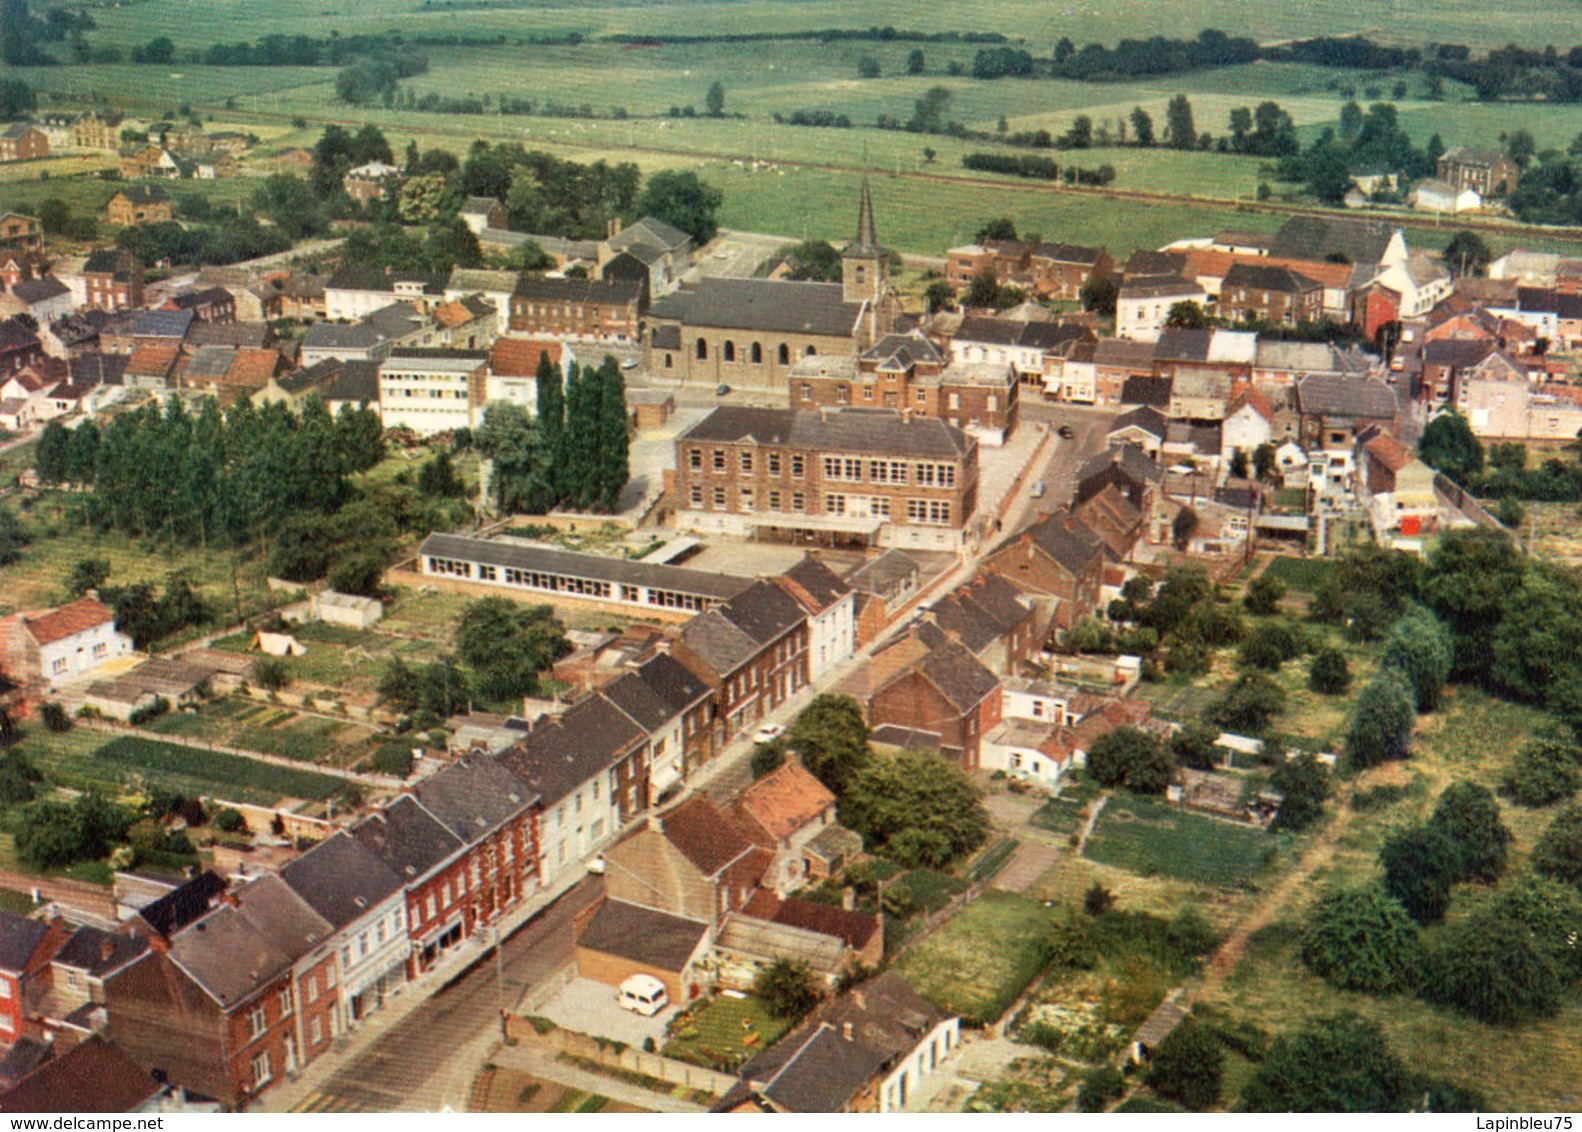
(863, 477)
(541, 571)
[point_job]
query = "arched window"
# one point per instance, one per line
(785, 354)
(730, 350)
(757, 353)
(703, 349)
(809, 352)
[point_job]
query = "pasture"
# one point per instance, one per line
(1154, 839)
(982, 958)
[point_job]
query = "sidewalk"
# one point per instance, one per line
(411, 997)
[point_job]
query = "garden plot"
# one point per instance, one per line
(1154, 839)
(982, 958)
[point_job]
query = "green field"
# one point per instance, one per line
(982, 958)
(1153, 838)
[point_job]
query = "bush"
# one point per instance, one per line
(767, 758)
(55, 717)
(1329, 674)
(149, 712)
(1490, 967)
(1099, 1087)
(1469, 816)
(392, 759)
(1545, 770)
(1187, 1067)
(1363, 940)
(1559, 853)
(1270, 645)
(1381, 727)
(1264, 594)
(271, 673)
(1248, 705)
(229, 820)
(1420, 865)
(786, 986)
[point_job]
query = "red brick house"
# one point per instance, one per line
(210, 304)
(1060, 271)
(26, 948)
(576, 308)
(113, 281)
(19, 347)
(431, 860)
(23, 142)
(1057, 556)
(753, 649)
(1258, 292)
(941, 692)
(290, 924)
(994, 619)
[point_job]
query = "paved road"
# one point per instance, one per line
(427, 1059)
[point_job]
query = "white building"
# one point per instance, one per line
(1143, 305)
(432, 391)
(55, 646)
(1443, 197)
(831, 608)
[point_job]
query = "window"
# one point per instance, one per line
(798, 466)
(886, 471)
(936, 475)
(784, 354)
(757, 353)
(744, 498)
(719, 499)
(807, 391)
(100, 650)
(835, 504)
(842, 468)
(992, 403)
(287, 1003)
(798, 502)
(843, 395)
(879, 505)
(810, 352)
(316, 1032)
(695, 459)
(313, 989)
(261, 1071)
(935, 511)
(867, 393)
(329, 976)
(745, 461)
(257, 1020)
(775, 500)
(772, 460)
(719, 460)
(59, 665)
(955, 400)
(703, 350)
(730, 350)
(696, 496)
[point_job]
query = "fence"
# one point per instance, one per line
(1462, 500)
(624, 1058)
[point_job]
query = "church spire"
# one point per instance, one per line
(867, 237)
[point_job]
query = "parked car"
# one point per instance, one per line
(629, 363)
(1038, 489)
(768, 733)
(642, 994)
(721, 389)
(1067, 432)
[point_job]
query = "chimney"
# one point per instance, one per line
(848, 898)
(846, 1030)
(106, 948)
(612, 228)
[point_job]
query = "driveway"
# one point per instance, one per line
(589, 1008)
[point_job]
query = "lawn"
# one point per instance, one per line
(723, 1032)
(977, 962)
(1305, 575)
(1063, 815)
(1152, 838)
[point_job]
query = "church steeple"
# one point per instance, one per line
(864, 263)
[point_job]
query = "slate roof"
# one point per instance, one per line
(32, 291)
(144, 194)
(1362, 242)
(226, 955)
(210, 362)
(341, 879)
(608, 291)
(15, 336)
(1043, 335)
(886, 1013)
(108, 261)
(1456, 352)
(814, 585)
(1152, 392)
(473, 796)
(731, 634)
(1262, 277)
(707, 838)
(407, 838)
(884, 574)
(978, 614)
(216, 296)
(592, 566)
(773, 306)
(354, 382)
(900, 352)
(242, 335)
(872, 432)
(673, 681)
(1136, 464)
(1147, 418)
(99, 369)
(93, 1076)
(1120, 353)
(649, 231)
(561, 753)
(162, 324)
(19, 939)
(1358, 398)
(97, 952)
(1068, 253)
(1072, 547)
(814, 1070)
(282, 916)
(1472, 155)
(479, 279)
(642, 935)
(641, 704)
(958, 676)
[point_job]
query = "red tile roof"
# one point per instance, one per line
(518, 357)
(253, 368)
(151, 360)
(58, 624)
(854, 928)
(1389, 452)
(706, 837)
(785, 800)
(94, 1076)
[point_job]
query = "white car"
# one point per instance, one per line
(642, 994)
(768, 733)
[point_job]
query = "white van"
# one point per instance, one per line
(643, 994)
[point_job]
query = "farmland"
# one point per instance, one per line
(1151, 838)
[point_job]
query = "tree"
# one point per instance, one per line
(1559, 853)
(1469, 583)
(985, 288)
(682, 200)
(1551, 911)
(11, 732)
(13, 537)
(1449, 446)
(271, 673)
(1000, 228)
(509, 646)
(523, 469)
(813, 260)
(1303, 784)
(1194, 746)
(1143, 127)
(1130, 757)
(938, 296)
(714, 100)
(1419, 649)
(1188, 1066)
(1336, 1064)
(87, 574)
(1183, 527)
(1547, 769)
(831, 738)
(867, 67)
(917, 808)
(1248, 705)
(1263, 595)
(1469, 816)
(1381, 727)
(1329, 674)
(1466, 254)
(1420, 865)
(49, 457)
(1179, 130)
(1099, 294)
(438, 478)
(1097, 900)
(1265, 463)
(928, 112)
(1270, 645)
(360, 573)
(1363, 940)
(1186, 315)
(767, 758)
(914, 61)
(1521, 148)
(786, 988)
(290, 204)
(1491, 967)
(612, 464)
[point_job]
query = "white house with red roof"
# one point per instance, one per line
(1249, 422)
(54, 646)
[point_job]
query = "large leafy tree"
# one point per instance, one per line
(1336, 1064)
(519, 474)
(509, 646)
(1547, 769)
(1188, 1066)
(1381, 727)
(1492, 967)
(1132, 758)
(683, 200)
(1420, 865)
(1450, 446)
(1470, 580)
(1363, 940)
(815, 260)
(1558, 853)
(831, 738)
(1303, 783)
(917, 808)
(1469, 816)
(1419, 648)
(1248, 705)
(786, 987)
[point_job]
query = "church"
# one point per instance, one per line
(751, 332)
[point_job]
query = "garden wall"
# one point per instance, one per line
(632, 1060)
